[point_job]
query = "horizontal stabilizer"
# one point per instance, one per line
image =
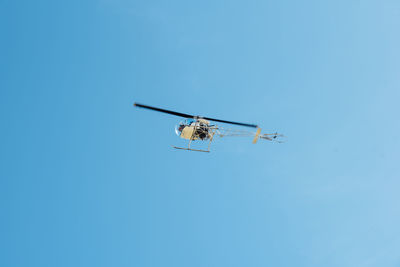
(257, 135)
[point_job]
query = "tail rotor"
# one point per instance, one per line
(275, 137)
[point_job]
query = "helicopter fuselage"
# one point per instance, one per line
(194, 129)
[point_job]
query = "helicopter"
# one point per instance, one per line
(200, 128)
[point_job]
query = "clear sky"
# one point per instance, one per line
(88, 180)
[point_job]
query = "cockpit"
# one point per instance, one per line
(179, 127)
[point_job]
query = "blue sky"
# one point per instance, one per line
(88, 180)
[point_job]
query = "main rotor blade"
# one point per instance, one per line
(231, 122)
(191, 116)
(165, 111)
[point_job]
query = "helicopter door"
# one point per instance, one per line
(187, 132)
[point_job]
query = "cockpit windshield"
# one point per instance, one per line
(179, 127)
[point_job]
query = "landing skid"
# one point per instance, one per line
(191, 149)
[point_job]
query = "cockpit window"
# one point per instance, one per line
(189, 121)
(179, 127)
